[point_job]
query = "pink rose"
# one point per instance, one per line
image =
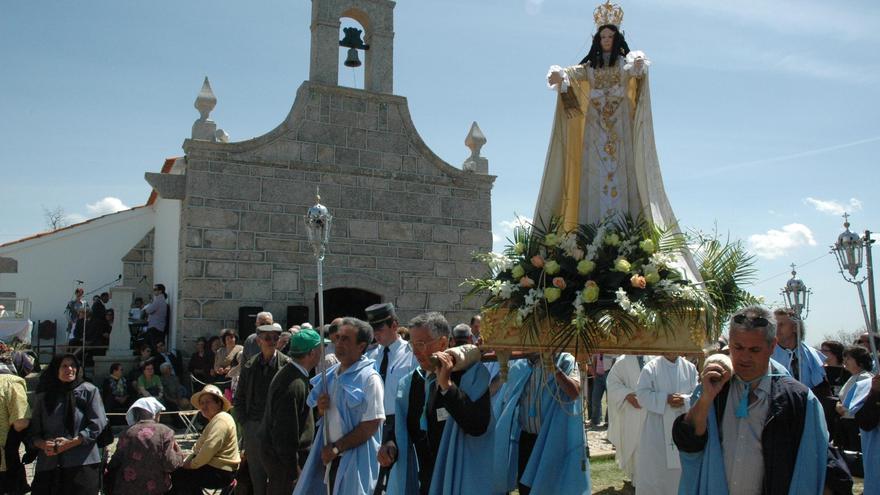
(146, 433)
(137, 455)
(151, 486)
(638, 281)
(129, 474)
(526, 282)
(538, 261)
(559, 283)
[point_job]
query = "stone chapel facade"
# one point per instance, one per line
(405, 222)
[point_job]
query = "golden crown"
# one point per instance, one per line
(608, 13)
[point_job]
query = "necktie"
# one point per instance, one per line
(383, 367)
(742, 409)
(429, 385)
(641, 360)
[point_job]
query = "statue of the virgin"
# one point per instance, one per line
(602, 160)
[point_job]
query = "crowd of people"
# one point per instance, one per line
(422, 410)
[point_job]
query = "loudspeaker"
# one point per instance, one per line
(296, 315)
(247, 319)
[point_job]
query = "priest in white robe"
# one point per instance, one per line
(625, 415)
(664, 390)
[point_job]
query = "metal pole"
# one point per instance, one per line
(326, 426)
(869, 265)
(871, 334)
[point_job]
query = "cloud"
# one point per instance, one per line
(504, 231)
(105, 206)
(518, 221)
(533, 7)
(833, 207)
(776, 243)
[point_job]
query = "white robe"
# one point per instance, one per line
(659, 465)
(625, 421)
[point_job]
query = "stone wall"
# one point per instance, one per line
(137, 267)
(405, 222)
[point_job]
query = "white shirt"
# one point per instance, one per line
(401, 361)
(373, 395)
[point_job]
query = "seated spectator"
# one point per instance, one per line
(165, 356)
(856, 360)
(146, 454)
(228, 358)
(215, 457)
(201, 363)
(149, 384)
(214, 344)
(174, 392)
(115, 392)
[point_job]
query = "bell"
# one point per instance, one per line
(352, 60)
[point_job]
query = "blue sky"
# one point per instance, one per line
(765, 113)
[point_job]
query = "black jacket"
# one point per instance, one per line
(779, 440)
(288, 426)
(244, 395)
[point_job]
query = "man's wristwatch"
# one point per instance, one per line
(334, 449)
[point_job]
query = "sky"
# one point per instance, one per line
(765, 113)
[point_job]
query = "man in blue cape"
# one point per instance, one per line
(803, 362)
(753, 428)
(443, 435)
(540, 444)
(350, 401)
(866, 406)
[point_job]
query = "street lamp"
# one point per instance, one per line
(851, 251)
(797, 298)
(318, 220)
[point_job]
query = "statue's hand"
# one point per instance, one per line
(555, 78)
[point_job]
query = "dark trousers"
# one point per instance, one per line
(282, 471)
(526, 445)
(334, 467)
(192, 481)
(77, 480)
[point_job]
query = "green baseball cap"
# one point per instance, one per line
(304, 341)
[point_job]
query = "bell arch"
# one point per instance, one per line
(377, 19)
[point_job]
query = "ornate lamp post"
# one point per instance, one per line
(797, 298)
(850, 251)
(318, 220)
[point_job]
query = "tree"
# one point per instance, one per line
(55, 217)
(844, 336)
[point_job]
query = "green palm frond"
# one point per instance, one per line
(726, 267)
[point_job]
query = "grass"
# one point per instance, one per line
(608, 479)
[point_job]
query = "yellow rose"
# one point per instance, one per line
(551, 240)
(652, 277)
(551, 267)
(519, 248)
(584, 267)
(612, 239)
(647, 246)
(552, 294)
(591, 292)
(518, 272)
(622, 265)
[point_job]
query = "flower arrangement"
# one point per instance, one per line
(608, 278)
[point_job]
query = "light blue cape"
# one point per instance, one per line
(870, 440)
(462, 463)
(559, 463)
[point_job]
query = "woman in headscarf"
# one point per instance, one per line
(146, 454)
(215, 456)
(68, 416)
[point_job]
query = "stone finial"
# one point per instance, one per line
(204, 128)
(475, 141)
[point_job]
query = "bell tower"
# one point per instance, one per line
(377, 19)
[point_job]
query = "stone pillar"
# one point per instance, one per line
(119, 350)
(324, 59)
(379, 68)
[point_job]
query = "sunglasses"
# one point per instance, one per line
(752, 322)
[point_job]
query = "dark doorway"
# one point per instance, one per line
(247, 321)
(346, 302)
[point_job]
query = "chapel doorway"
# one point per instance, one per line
(346, 302)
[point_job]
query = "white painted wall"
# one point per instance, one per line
(166, 256)
(49, 266)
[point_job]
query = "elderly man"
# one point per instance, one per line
(350, 400)
(443, 420)
(539, 438)
(753, 428)
(394, 361)
(288, 425)
(251, 346)
(626, 416)
(462, 334)
(803, 362)
(251, 398)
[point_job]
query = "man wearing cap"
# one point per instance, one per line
(349, 397)
(394, 360)
(251, 397)
(288, 425)
(251, 346)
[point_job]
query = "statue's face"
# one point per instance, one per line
(606, 39)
